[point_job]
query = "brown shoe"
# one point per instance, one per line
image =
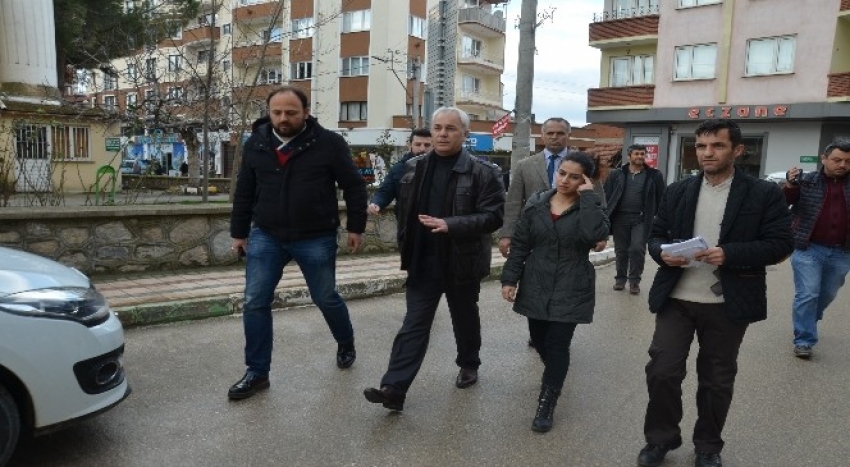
(634, 289)
(619, 285)
(466, 378)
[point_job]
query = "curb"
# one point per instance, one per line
(289, 297)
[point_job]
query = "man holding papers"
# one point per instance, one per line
(746, 225)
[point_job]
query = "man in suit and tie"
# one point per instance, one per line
(533, 174)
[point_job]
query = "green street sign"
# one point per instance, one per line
(808, 159)
(113, 144)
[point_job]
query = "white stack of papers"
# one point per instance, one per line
(687, 249)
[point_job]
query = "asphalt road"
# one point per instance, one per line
(786, 412)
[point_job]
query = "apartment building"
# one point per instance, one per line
(666, 65)
(361, 62)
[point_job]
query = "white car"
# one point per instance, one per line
(61, 348)
(776, 177)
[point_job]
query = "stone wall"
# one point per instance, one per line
(118, 239)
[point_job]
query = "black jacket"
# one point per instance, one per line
(550, 259)
(653, 190)
(297, 201)
(475, 205)
(755, 232)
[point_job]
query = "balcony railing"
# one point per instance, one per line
(621, 96)
(838, 85)
(845, 5)
(483, 61)
(479, 98)
(482, 17)
(623, 13)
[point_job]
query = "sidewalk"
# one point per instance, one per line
(163, 296)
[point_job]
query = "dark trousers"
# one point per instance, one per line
(717, 364)
(552, 341)
(629, 235)
(423, 295)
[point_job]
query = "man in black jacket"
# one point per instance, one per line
(451, 204)
(285, 208)
(747, 226)
(633, 192)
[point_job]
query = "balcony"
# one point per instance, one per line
(845, 6)
(200, 36)
(627, 96)
(489, 99)
(481, 22)
(838, 88)
(254, 12)
(250, 52)
(624, 27)
(481, 63)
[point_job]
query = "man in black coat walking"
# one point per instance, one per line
(747, 226)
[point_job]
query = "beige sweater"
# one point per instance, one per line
(695, 283)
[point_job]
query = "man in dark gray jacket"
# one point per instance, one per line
(450, 204)
(633, 192)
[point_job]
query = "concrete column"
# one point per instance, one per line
(28, 52)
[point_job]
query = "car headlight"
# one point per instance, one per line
(86, 306)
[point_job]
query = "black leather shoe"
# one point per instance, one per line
(653, 454)
(708, 459)
(345, 355)
(389, 397)
(249, 385)
(466, 378)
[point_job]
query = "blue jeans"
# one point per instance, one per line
(266, 258)
(819, 272)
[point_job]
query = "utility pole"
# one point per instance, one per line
(415, 106)
(524, 82)
(528, 22)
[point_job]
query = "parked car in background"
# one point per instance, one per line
(61, 349)
(776, 177)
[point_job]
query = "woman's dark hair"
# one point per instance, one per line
(583, 159)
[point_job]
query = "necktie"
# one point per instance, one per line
(551, 169)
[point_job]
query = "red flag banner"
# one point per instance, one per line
(501, 125)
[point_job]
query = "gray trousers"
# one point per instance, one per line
(629, 246)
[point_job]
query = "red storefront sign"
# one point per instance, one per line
(739, 111)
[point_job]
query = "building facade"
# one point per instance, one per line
(667, 65)
(363, 63)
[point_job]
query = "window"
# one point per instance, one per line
(132, 100)
(771, 55)
(203, 56)
(471, 47)
(225, 65)
(695, 61)
(150, 68)
(132, 71)
(226, 29)
(417, 27)
(632, 71)
(353, 111)
(270, 76)
(687, 3)
(355, 66)
(110, 82)
(175, 93)
(109, 102)
(31, 142)
(207, 19)
(150, 100)
(81, 82)
(273, 35)
(173, 63)
(69, 143)
(175, 30)
(303, 28)
(353, 21)
(470, 84)
(129, 6)
(301, 70)
(251, 2)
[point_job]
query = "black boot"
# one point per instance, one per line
(546, 409)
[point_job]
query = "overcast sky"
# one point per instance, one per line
(564, 67)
